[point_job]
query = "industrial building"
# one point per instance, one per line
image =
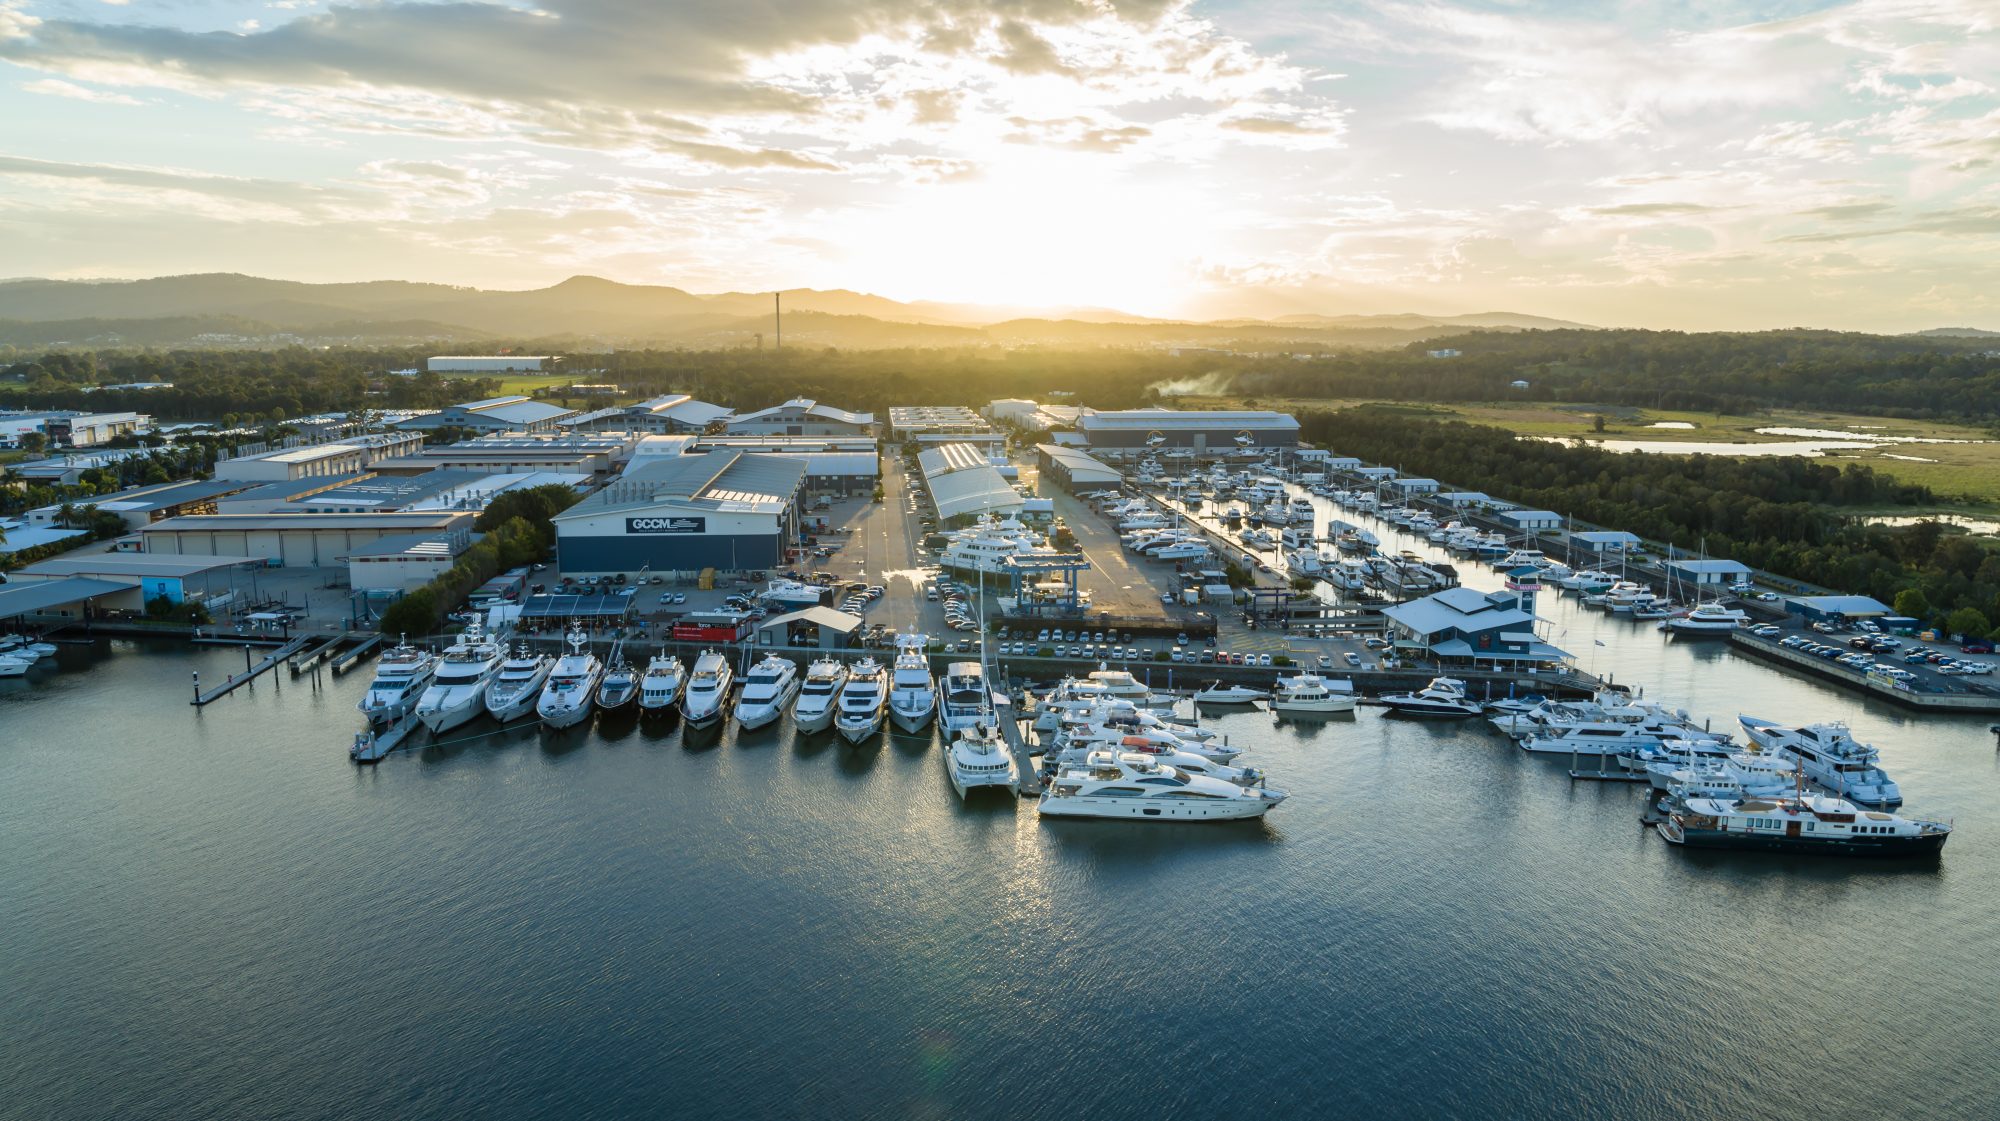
(142, 506)
(729, 510)
(489, 364)
(495, 414)
(963, 483)
(1215, 431)
(295, 540)
(345, 456)
(69, 429)
(802, 416)
(1466, 626)
(666, 415)
(1075, 471)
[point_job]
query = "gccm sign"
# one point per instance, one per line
(666, 525)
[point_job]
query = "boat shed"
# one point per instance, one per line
(964, 483)
(1532, 519)
(1467, 626)
(1835, 609)
(812, 626)
(728, 510)
(1710, 571)
(1077, 472)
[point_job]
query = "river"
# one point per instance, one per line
(215, 914)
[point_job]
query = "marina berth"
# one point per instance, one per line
(707, 690)
(1131, 786)
(660, 686)
(768, 689)
(566, 698)
(1814, 824)
(819, 695)
(514, 692)
(978, 757)
(863, 698)
(457, 692)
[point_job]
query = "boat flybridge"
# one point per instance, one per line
(513, 694)
(964, 697)
(565, 699)
(660, 686)
(912, 689)
(401, 676)
(768, 689)
(862, 700)
(819, 696)
(707, 690)
(978, 757)
(458, 692)
(1133, 785)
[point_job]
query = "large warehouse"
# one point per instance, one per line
(1216, 431)
(964, 483)
(729, 510)
(297, 540)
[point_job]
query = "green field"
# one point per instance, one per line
(1965, 476)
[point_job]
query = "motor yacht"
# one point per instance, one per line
(819, 695)
(1804, 823)
(458, 691)
(660, 686)
(1707, 619)
(1830, 756)
(620, 685)
(401, 676)
(514, 692)
(862, 701)
(1309, 694)
(1216, 693)
(707, 690)
(964, 697)
(1132, 785)
(977, 757)
(768, 689)
(912, 689)
(566, 698)
(1444, 696)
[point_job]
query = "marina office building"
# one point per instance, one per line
(730, 510)
(1207, 431)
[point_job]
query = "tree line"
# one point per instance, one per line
(1792, 516)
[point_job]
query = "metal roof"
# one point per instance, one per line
(136, 564)
(32, 598)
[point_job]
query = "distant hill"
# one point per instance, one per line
(226, 309)
(1956, 333)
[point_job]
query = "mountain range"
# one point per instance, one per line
(220, 308)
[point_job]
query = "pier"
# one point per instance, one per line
(250, 672)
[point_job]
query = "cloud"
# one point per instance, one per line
(56, 87)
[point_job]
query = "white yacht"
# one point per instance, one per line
(514, 692)
(912, 689)
(977, 757)
(819, 696)
(458, 692)
(1444, 696)
(660, 686)
(565, 700)
(400, 678)
(964, 698)
(1309, 694)
(1707, 618)
(1216, 693)
(862, 700)
(707, 690)
(768, 689)
(1830, 756)
(1132, 785)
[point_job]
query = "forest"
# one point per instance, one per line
(1792, 516)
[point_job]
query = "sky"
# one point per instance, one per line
(1676, 165)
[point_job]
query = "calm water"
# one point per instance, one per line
(216, 915)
